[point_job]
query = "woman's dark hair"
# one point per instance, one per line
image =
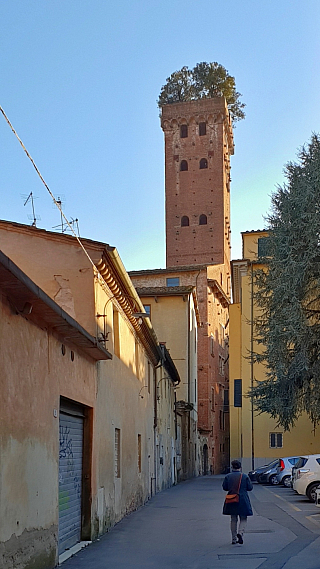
(236, 464)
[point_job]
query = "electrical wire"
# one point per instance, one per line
(48, 189)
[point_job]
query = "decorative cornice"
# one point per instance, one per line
(219, 292)
(129, 301)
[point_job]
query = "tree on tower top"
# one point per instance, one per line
(204, 81)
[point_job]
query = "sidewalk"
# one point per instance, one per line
(183, 528)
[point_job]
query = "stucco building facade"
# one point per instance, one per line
(175, 317)
(255, 438)
(87, 436)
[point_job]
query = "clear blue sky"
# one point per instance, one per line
(79, 82)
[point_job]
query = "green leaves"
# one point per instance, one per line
(204, 81)
(288, 296)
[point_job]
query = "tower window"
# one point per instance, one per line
(203, 163)
(203, 219)
(184, 131)
(173, 281)
(183, 165)
(184, 221)
(202, 128)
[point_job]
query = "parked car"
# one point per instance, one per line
(300, 464)
(269, 476)
(307, 476)
(284, 470)
(255, 475)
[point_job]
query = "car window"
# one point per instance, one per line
(318, 460)
(294, 460)
(301, 462)
(270, 464)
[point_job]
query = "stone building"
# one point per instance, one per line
(198, 144)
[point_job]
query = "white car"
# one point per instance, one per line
(307, 476)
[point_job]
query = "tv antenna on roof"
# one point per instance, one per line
(33, 217)
(63, 226)
(60, 201)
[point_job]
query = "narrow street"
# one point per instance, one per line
(183, 527)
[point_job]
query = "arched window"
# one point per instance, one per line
(183, 165)
(184, 221)
(203, 163)
(203, 219)
(184, 131)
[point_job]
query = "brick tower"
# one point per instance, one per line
(198, 145)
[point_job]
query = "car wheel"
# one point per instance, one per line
(286, 481)
(311, 491)
(273, 479)
(258, 479)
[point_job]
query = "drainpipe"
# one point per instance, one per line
(189, 378)
(251, 372)
(155, 423)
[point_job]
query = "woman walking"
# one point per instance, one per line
(237, 501)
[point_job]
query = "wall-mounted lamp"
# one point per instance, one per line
(141, 390)
(140, 316)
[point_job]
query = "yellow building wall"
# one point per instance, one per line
(235, 373)
(174, 321)
(303, 438)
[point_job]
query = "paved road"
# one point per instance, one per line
(183, 528)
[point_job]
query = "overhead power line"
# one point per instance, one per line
(58, 205)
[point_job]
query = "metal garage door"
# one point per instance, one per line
(70, 475)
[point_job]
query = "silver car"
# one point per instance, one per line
(284, 470)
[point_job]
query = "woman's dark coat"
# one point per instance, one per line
(230, 485)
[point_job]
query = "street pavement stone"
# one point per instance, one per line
(183, 527)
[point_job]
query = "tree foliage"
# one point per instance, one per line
(287, 296)
(204, 81)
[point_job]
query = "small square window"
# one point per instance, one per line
(173, 281)
(276, 440)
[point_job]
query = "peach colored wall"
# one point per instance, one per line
(34, 374)
(57, 264)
